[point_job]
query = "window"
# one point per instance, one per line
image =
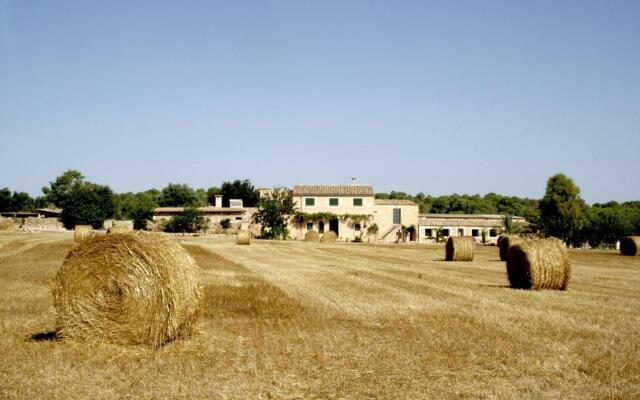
(238, 218)
(493, 233)
(321, 227)
(357, 202)
(445, 232)
(333, 201)
(461, 232)
(310, 201)
(396, 216)
(357, 226)
(428, 232)
(475, 232)
(309, 226)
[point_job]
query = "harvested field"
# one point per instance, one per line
(322, 320)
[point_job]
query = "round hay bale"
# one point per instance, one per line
(118, 229)
(539, 264)
(506, 242)
(133, 289)
(6, 224)
(329, 237)
(243, 237)
(82, 233)
(630, 246)
(459, 248)
(311, 236)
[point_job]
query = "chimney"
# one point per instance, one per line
(353, 181)
(218, 201)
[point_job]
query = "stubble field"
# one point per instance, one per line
(317, 320)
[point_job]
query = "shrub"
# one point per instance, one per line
(189, 220)
(225, 223)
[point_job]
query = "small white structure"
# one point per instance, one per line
(483, 228)
(235, 203)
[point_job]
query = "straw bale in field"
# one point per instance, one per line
(118, 229)
(329, 236)
(6, 224)
(133, 289)
(82, 233)
(630, 246)
(243, 237)
(459, 248)
(311, 236)
(539, 264)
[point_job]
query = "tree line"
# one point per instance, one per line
(88, 203)
(560, 213)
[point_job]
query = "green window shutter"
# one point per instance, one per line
(333, 201)
(309, 202)
(357, 202)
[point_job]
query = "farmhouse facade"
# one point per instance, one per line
(351, 211)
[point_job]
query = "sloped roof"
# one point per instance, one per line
(394, 202)
(206, 210)
(470, 220)
(333, 190)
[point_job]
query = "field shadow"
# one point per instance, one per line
(48, 336)
(496, 286)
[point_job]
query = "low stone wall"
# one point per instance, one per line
(39, 224)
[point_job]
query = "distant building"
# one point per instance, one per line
(236, 213)
(349, 211)
(478, 226)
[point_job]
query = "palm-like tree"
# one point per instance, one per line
(509, 226)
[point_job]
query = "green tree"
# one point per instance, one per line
(5, 199)
(21, 201)
(273, 212)
(87, 204)
(202, 200)
(561, 210)
(142, 210)
(225, 223)
(58, 190)
(240, 190)
(607, 224)
(189, 220)
(177, 195)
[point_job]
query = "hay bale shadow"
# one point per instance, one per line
(497, 286)
(48, 336)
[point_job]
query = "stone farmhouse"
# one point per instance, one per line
(353, 213)
(350, 211)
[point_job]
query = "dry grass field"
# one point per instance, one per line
(319, 320)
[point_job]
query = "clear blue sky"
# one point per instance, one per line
(438, 97)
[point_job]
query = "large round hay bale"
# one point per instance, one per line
(539, 264)
(630, 246)
(6, 224)
(329, 237)
(506, 242)
(243, 237)
(135, 289)
(82, 233)
(459, 248)
(311, 236)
